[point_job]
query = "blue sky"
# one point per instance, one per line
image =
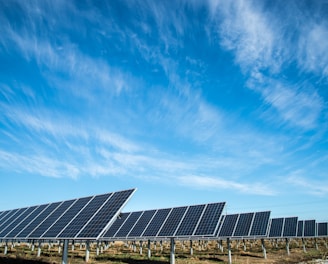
(188, 101)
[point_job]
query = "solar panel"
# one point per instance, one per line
(128, 224)
(112, 230)
(172, 222)
(50, 219)
(3, 214)
(143, 222)
(81, 214)
(276, 227)
(244, 224)
(103, 217)
(210, 219)
(26, 221)
(309, 228)
(83, 218)
(228, 225)
(28, 229)
(7, 218)
(190, 220)
(156, 223)
(290, 227)
(300, 227)
(17, 221)
(260, 224)
(322, 229)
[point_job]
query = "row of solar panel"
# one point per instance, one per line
(259, 225)
(291, 227)
(187, 221)
(244, 225)
(94, 217)
(80, 218)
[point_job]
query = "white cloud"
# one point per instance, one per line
(311, 186)
(263, 48)
(222, 184)
(37, 164)
(312, 48)
(299, 106)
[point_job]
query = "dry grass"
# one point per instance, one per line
(203, 253)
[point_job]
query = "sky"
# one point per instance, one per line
(190, 102)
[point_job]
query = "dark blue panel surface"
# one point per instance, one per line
(11, 216)
(210, 220)
(80, 216)
(228, 225)
(128, 224)
(260, 224)
(290, 227)
(8, 221)
(106, 213)
(17, 221)
(50, 219)
(322, 229)
(243, 225)
(189, 222)
(142, 223)
(26, 221)
(276, 227)
(172, 222)
(300, 227)
(37, 221)
(63, 220)
(116, 225)
(309, 228)
(156, 223)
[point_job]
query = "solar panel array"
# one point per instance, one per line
(306, 228)
(187, 221)
(83, 218)
(99, 217)
(244, 225)
(283, 227)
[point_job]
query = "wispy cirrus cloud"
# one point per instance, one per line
(310, 186)
(217, 183)
(263, 46)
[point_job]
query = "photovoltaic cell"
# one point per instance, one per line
(190, 220)
(3, 213)
(128, 224)
(300, 227)
(210, 220)
(116, 225)
(290, 227)
(26, 221)
(172, 222)
(156, 223)
(50, 219)
(322, 229)
(17, 221)
(228, 225)
(143, 222)
(105, 214)
(309, 228)
(80, 216)
(37, 221)
(7, 219)
(260, 224)
(276, 227)
(244, 224)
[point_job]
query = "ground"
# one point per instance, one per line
(203, 253)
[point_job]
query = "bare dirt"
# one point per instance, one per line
(203, 253)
